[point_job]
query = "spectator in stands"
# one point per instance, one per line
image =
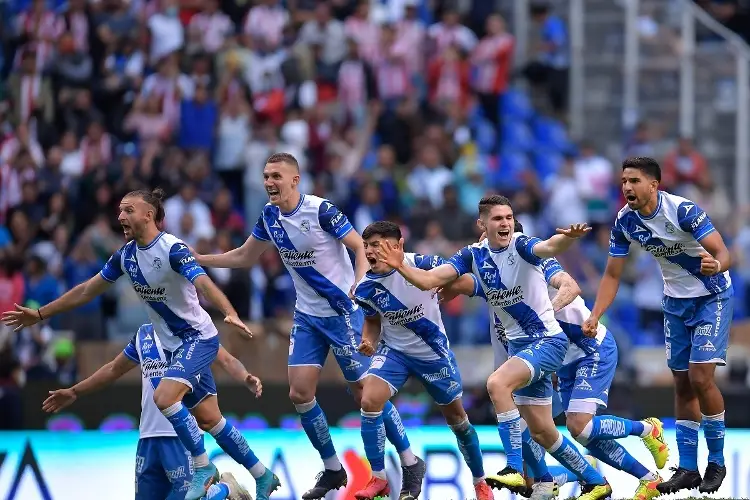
(685, 165)
(595, 176)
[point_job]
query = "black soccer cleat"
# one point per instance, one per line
(411, 480)
(682, 479)
(327, 480)
(713, 478)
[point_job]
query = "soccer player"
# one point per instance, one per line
(508, 268)
(165, 275)
(697, 309)
(164, 468)
(408, 323)
(312, 237)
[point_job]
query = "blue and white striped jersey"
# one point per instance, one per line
(512, 280)
(146, 349)
(309, 243)
(410, 318)
(672, 234)
(162, 274)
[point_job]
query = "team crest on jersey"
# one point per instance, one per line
(669, 227)
(157, 263)
(511, 259)
(305, 226)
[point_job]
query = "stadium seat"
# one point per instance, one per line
(551, 134)
(509, 174)
(517, 105)
(486, 136)
(547, 164)
(517, 135)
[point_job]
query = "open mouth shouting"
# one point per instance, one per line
(126, 229)
(503, 233)
(273, 194)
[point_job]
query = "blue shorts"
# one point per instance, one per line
(191, 365)
(696, 330)
(163, 469)
(440, 376)
(543, 356)
(585, 383)
(313, 336)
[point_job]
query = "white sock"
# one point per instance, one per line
(585, 434)
(380, 474)
(258, 470)
(407, 457)
(649, 477)
(201, 460)
(332, 463)
(477, 480)
(647, 428)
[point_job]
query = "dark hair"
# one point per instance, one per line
(517, 226)
(283, 158)
(648, 166)
(486, 203)
(154, 198)
(383, 228)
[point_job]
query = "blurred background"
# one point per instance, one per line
(408, 110)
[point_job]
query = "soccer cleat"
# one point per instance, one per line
(595, 491)
(647, 489)
(375, 488)
(508, 478)
(203, 478)
(713, 478)
(655, 443)
(266, 484)
(326, 481)
(483, 491)
(411, 480)
(544, 491)
(682, 479)
(236, 490)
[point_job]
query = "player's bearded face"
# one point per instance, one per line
(133, 217)
(637, 188)
(498, 224)
(371, 252)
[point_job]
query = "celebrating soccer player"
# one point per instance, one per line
(312, 237)
(165, 275)
(408, 324)
(508, 268)
(163, 468)
(697, 309)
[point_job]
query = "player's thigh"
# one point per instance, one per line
(203, 390)
(190, 361)
(542, 356)
(538, 393)
(440, 378)
(308, 347)
(151, 483)
(178, 466)
(710, 325)
(375, 393)
(589, 378)
(344, 334)
(387, 367)
(677, 337)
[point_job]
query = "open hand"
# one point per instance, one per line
(237, 322)
(445, 294)
(390, 255)
(21, 317)
(709, 265)
(253, 383)
(366, 348)
(575, 230)
(58, 400)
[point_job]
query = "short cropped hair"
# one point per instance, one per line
(648, 166)
(486, 203)
(382, 228)
(283, 158)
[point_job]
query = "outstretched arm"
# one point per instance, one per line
(238, 372)
(103, 377)
(212, 293)
(245, 256)
(422, 279)
(567, 290)
(560, 242)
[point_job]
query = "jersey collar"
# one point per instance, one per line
(153, 242)
(656, 210)
(299, 204)
(371, 274)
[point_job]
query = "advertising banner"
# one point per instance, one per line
(94, 465)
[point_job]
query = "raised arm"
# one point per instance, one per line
(103, 377)
(238, 372)
(79, 295)
(560, 242)
(244, 256)
(421, 278)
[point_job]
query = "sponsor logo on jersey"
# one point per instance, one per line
(293, 258)
(434, 377)
(698, 221)
(662, 251)
(704, 330)
(505, 298)
(404, 316)
(145, 292)
(153, 368)
(708, 347)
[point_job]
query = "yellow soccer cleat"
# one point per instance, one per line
(647, 489)
(655, 443)
(595, 492)
(510, 479)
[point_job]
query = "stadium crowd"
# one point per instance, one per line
(394, 111)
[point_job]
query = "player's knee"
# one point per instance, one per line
(497, 386)
(544, 435)
(372, 402)
(301, 395)
(683, 387)
(576, 423)
(163, 399)
(701, 378)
